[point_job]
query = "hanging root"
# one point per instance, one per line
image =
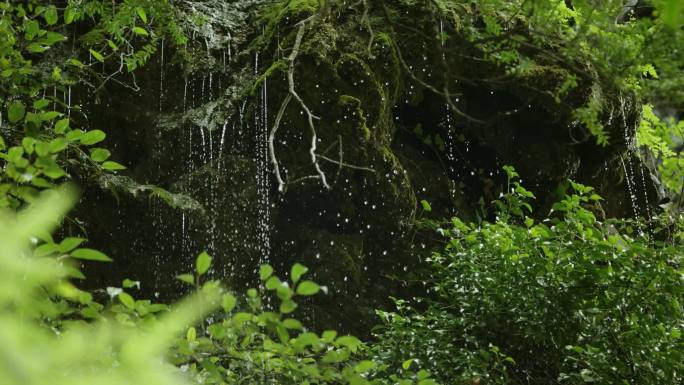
(310, 116)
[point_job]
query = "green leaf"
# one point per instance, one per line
(308, 288)
(41, 104)
(191, 335)
(228, 302)
(69, 244)
(42, 149)
(99, 154)
(352, 343)
(93, 137)
(187, 278)
(407, 364)
(57, 144)
(140, 31)
(127, 300)
(364, 366)
(28, 144)
(128, 283)
(36, 48)
(297, 271)
(113, 166)
(51, 16)
(329, 336)
(76, 63)
(291, 323)
(428, 381)
(16, 111)
(141, 14)
(273, 283)
(69, 15)
(90, 255)
(265, 271)
(45, 249)
(49, 115)
(672, 13)
(74, 135)
(287, 306)
(113, 46)
(98, 56)
(54, 172)
(203, 263)
(426, 205)
(62, 125)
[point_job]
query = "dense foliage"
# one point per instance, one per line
(569, 299)
(51, 329)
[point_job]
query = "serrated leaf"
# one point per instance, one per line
(90, 255)
(308, 288)
(98, 56)
(203, 263)
(76, 63)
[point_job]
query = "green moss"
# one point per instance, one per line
(276, 66)
(272, 17)
(356, 103)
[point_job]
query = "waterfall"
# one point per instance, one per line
(628, 166)
(263, 178)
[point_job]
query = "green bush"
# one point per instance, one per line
(49, 329)
(569, 300)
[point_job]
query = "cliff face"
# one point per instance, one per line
(404, 108)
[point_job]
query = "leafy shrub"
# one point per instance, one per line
(569, 300)
(49, 329)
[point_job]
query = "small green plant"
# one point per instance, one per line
(250, 342)
(51, 329)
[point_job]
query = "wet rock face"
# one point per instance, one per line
(384, 144)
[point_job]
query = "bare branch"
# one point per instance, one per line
(342, 164)
(310, 116)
